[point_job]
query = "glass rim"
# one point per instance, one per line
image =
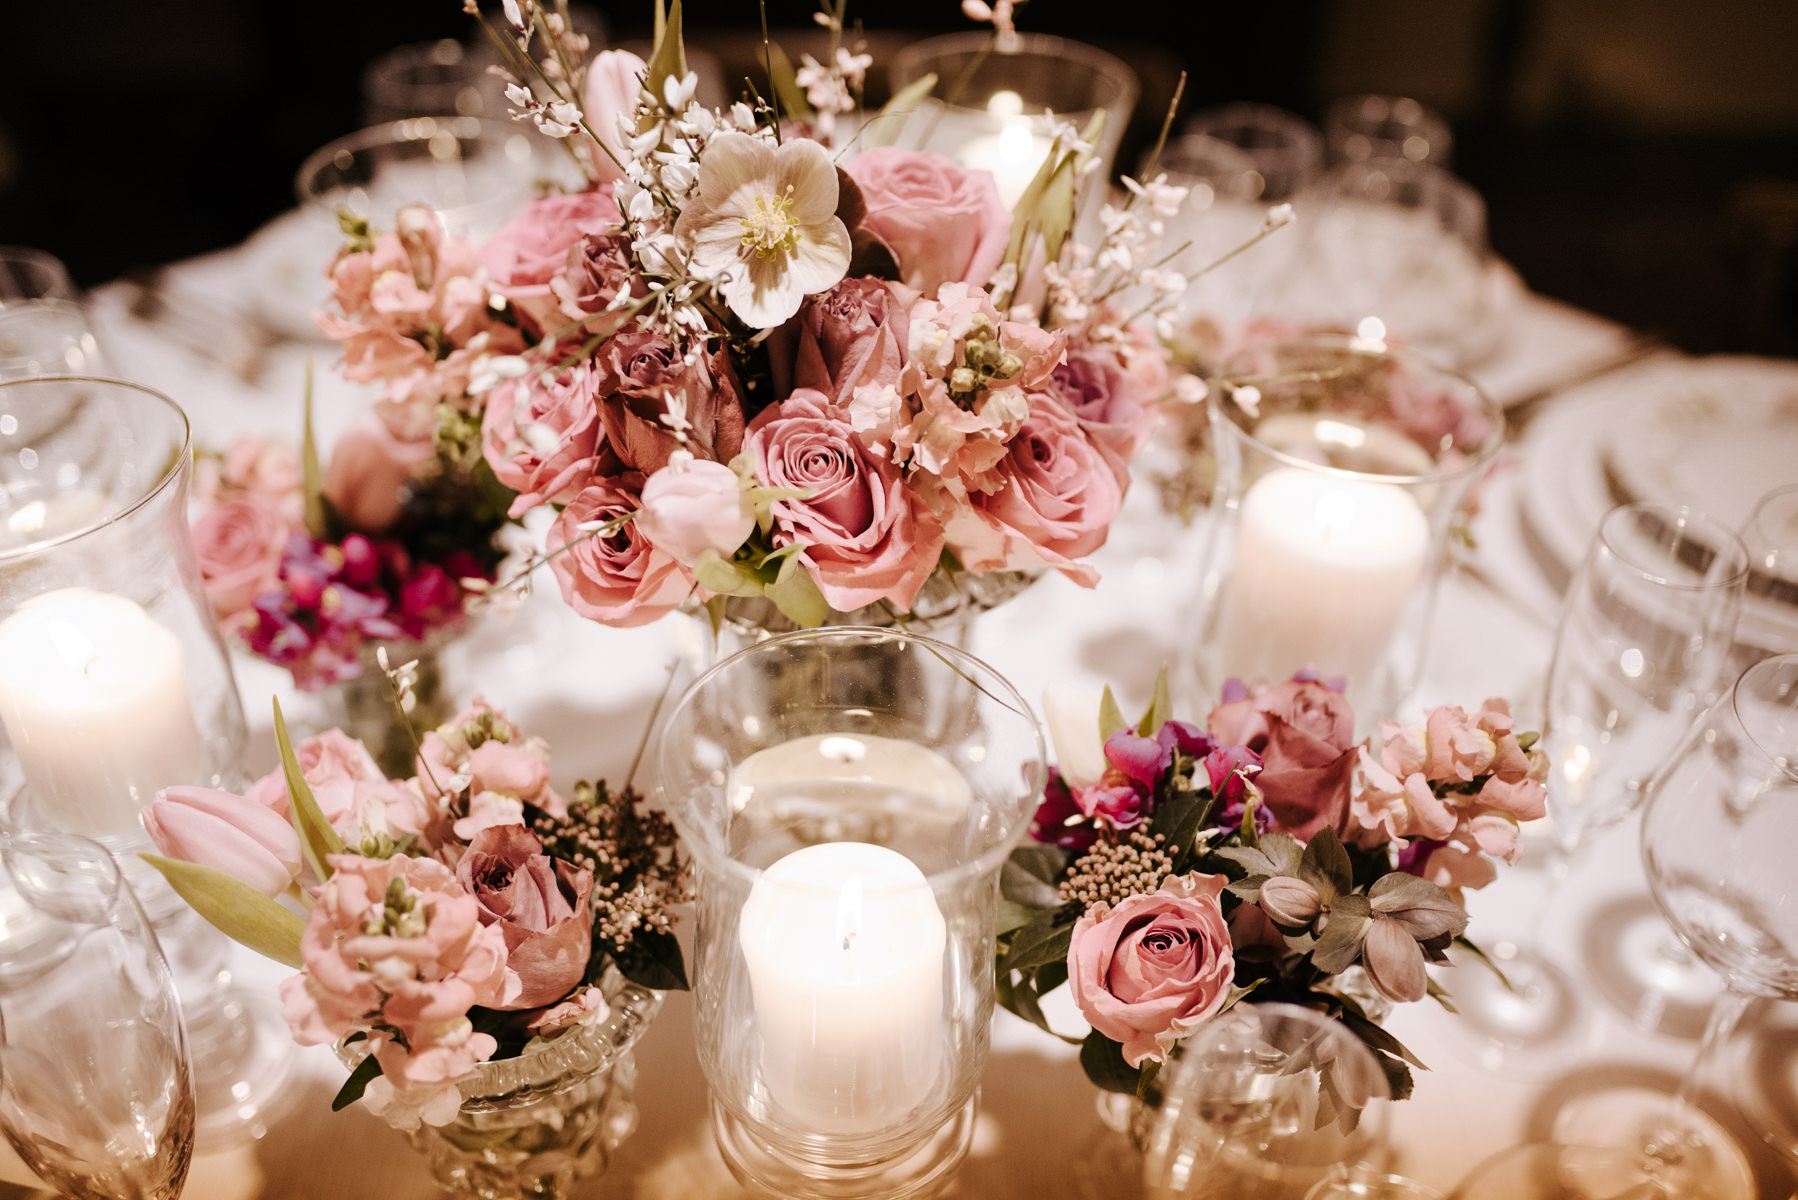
(1673, 517)
(54, 272)
(908, 64)
(1477, 456)
(405, 131)
(178, 462)
(1785, 764)
(982, 864)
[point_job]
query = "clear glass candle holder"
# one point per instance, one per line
(990, 103)
(1342, 465)
(848, 796)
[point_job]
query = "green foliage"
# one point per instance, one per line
(235, 909)
(651, 958)
(366, 1072)
(317, 839)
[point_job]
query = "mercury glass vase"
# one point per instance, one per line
(848, 797)
(534, 1125)
(1342, 468)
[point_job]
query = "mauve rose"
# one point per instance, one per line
(852, 336)
(866, 537)
(693, 505)
(618, 578)
(1304, 732)
(540, 905)
(1149, 971)
(1055, 504)
(369, 474)
(536, 247)
(943, 222)
(239, 543)
(542, 436)
(1114, 402)
(646, 379)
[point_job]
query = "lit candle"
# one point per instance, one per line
(1324, 566)
(94, 700)
(1013, 155)
(845, 945)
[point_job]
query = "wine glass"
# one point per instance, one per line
(96, 1088)
(1643, 645)
(1770, 612)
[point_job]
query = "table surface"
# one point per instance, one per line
(586, 687)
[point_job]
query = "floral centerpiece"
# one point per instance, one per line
(478, 944)
(764, 354)
(1267, 856)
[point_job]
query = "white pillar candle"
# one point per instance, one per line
(1324, 566)
(1013, 155)
(845, 947)
(94, 700)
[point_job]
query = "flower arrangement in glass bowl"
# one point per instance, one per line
(1267, 857)
(766, 356)
(484, 950)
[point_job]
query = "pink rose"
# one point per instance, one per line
(618, 578)
(371, 472)
(350, 789)
(239, 543)
(693, 505)
(647, 384)
(539, 905)
(942, 221)
(851, 337)
(1149, 971)
(1305, 734)
(1111, 391)
(396, 945)
(229, 833)
(549, 248)
(261, 465)
(866, 537)
(1055, 503)
(614, 81)
(542, 436)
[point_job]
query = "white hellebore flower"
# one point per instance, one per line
(764, 225)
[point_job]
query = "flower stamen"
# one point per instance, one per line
(770, 231)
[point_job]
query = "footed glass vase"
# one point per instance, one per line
(535, 1125)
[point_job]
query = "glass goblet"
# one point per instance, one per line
(1770, 611)
(1643, 644)
(96, 1087)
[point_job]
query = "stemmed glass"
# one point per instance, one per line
(43, 330)
(1643, 645)
(1718, 839)
(1770, 613)
(96, 1088)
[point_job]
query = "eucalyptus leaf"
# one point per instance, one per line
(317, 839)
(235, 909)
(1340, 943)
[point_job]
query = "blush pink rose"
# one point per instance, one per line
(350, 789)
(647, 384)
(1055, 503)
(370, 473)
(1147, 972)
(239, 542)
(866, 537)
(619, 578)
(261, 465)
(542, 437)
(1112, 391)
(693, 505)
(540, 906)
(943, 222)
(549, 239)
(1304, 732)
(851, 337)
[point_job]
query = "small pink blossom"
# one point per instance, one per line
(350, 789)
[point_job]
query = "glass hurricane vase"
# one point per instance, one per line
(364, 706)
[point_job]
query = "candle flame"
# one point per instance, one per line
(1335, 513)
(73, 647)
(849, 911)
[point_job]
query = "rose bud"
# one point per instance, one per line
(1290, 903)
(246, 840)
(694, 505)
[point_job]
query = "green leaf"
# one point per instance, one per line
(366, 1072)
(317, 838)
(886, 126)
(1160, 710)
(1180, 818)
(1047, 863)
(1425, 910)
(1024, 217)
(310, 476)
(1103, 1061)
(653, 959)
(235, 909)
(1378, 1039)
(1472, 948)
(715, 574)
(1325, 866)
(1340, 943)
(797, 596)
(1145, 1080)
(1055, 212)
(786, 85)
(1023, 887)
(667, 60)
(1043, 941)
(1111, 717)
(1011, 916)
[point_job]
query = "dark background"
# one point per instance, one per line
(1638, 157)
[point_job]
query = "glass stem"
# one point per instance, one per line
(1726, 1014)
(1561, 861)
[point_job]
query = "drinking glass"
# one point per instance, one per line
(1264, 1102)
(444, 78)
(1359, 128)
(1223, 210)
(1770, 610)
(43, 330)
(849, 796)
(1286, 149)
(96, 1090)
(28, 274)
(1642, 646)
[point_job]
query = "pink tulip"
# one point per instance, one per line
(215, 829)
